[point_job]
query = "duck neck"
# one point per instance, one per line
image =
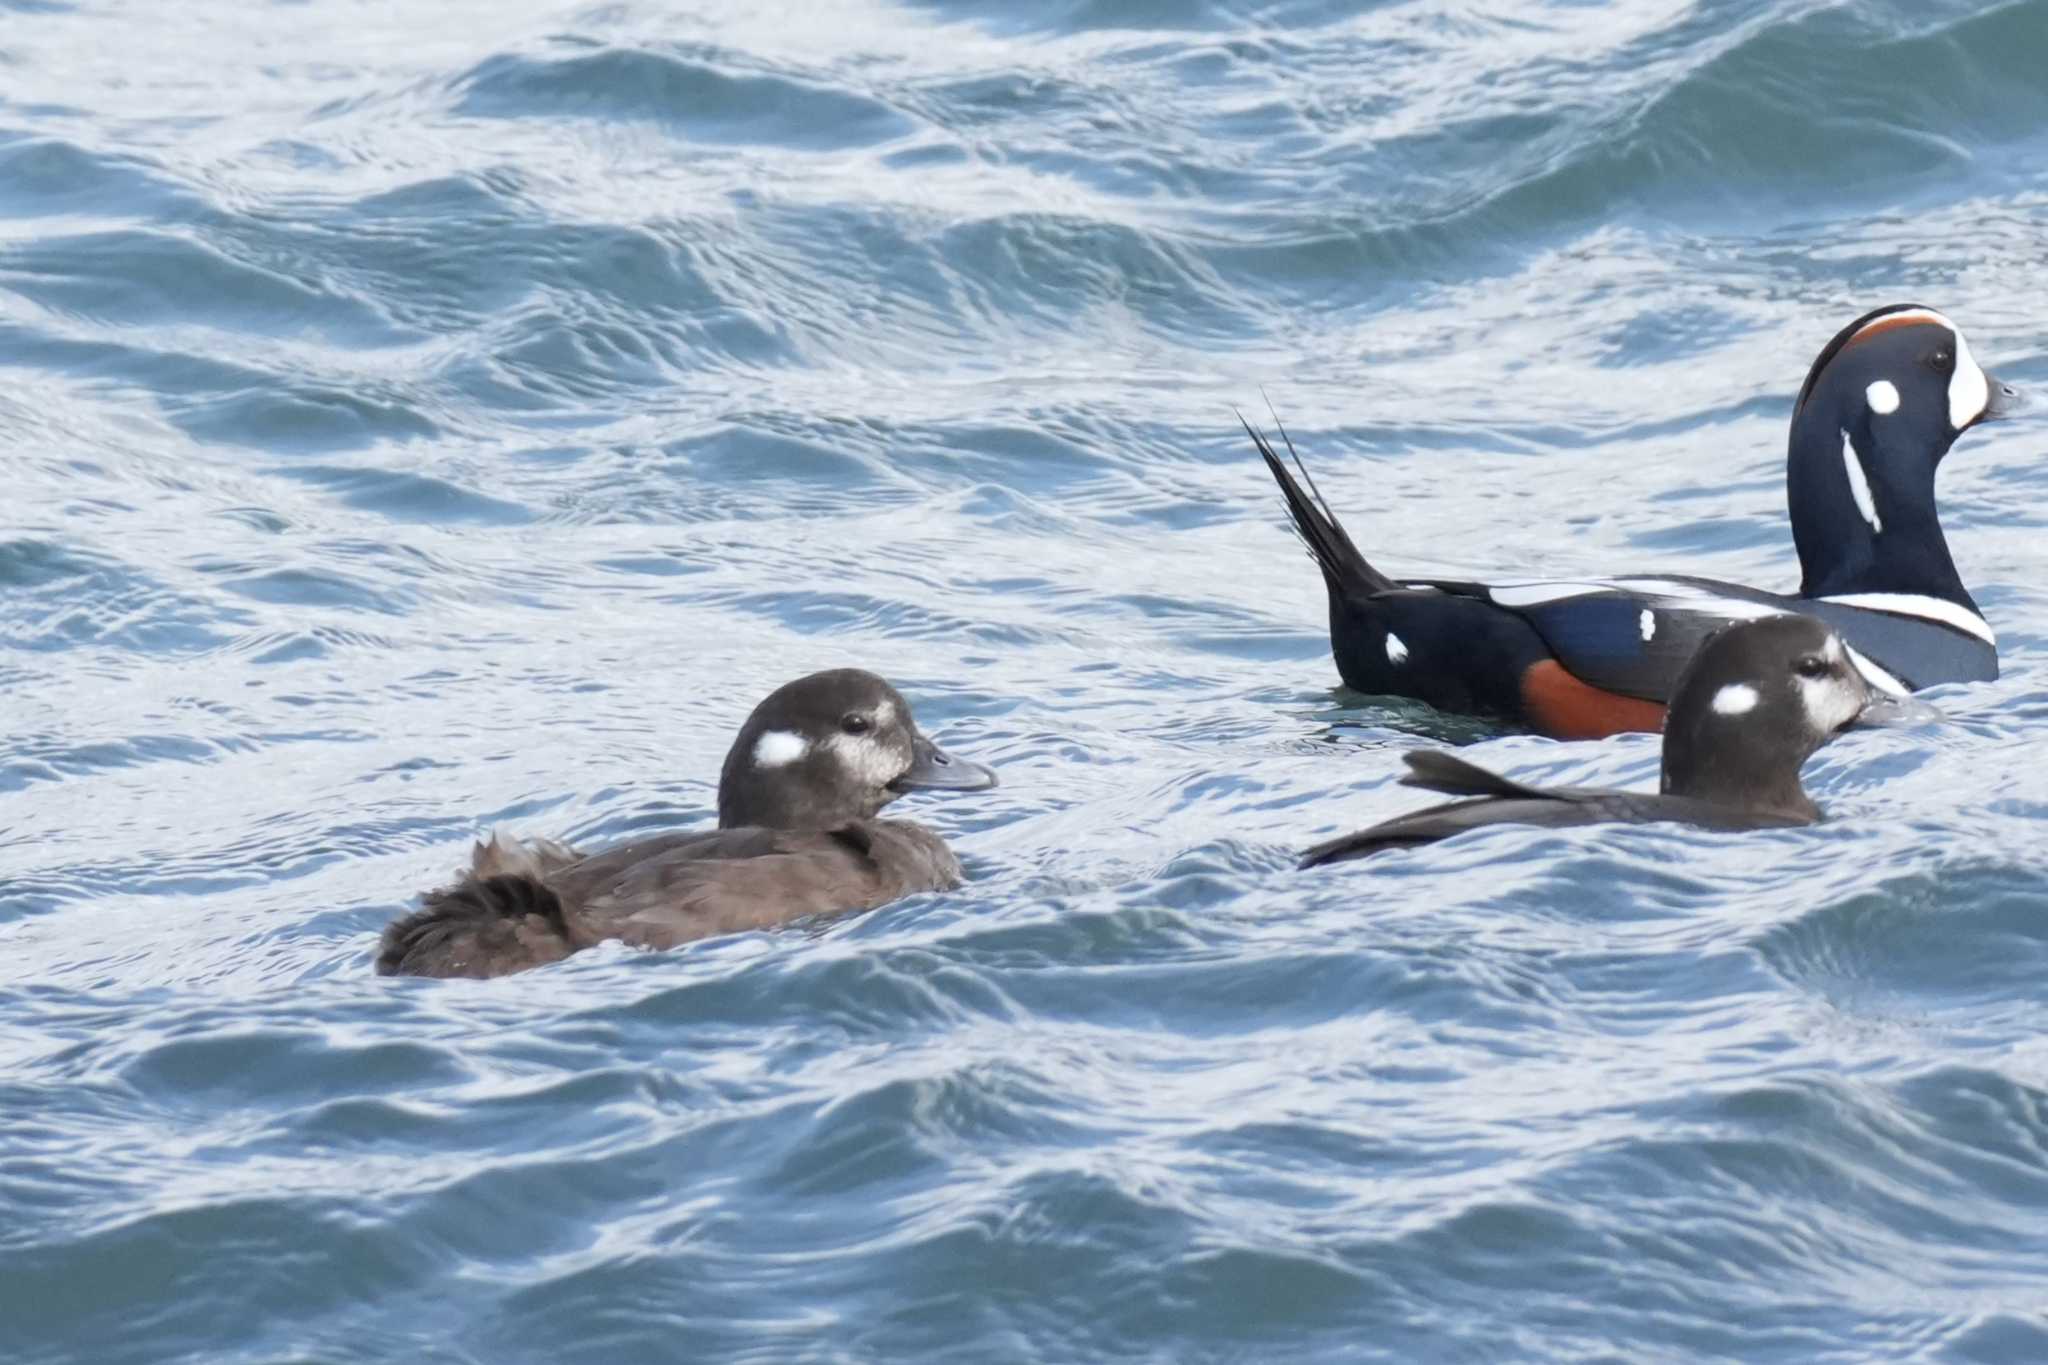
(1725, 780)
(1863, 515)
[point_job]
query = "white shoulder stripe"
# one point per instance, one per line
(1670, 595)
(1537, 594)
(1939, 610)
(1661, 587)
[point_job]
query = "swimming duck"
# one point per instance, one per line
(797, 836)
(1750, 709)
(1881, 406)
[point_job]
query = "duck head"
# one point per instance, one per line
(1881, 406)
(1754, 704)
(830, 749)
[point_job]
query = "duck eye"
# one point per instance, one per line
(1812, 666)
(854, 723)
(1943, 359)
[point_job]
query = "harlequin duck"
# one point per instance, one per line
(1751, 707)
(797, 836)
(1577, 660)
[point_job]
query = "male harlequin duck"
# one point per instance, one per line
(1577, 660)
(1750, 708)
(797, 836)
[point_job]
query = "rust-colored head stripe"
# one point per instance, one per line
(1874, 323)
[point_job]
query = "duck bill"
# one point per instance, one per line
(933, 769)
(1884, 709)
(2005, 400)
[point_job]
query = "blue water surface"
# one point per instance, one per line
(418, 419)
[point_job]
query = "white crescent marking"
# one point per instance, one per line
(1969, 392)
(1876, 676)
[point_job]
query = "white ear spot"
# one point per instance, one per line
(778, 748)
(1969, 392)
(1859, 487)
(1648, 622)
(1735, 699)
(1883, 396)
(1397, 653)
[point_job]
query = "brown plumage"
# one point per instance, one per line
(798, 798)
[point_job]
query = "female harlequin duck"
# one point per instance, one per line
(797, 836)
(1750, 708)
(1577, 660)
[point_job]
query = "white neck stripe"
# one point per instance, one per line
(1939, 610)
(1859, 486)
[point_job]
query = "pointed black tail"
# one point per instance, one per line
(1344, 568)
(481, 926)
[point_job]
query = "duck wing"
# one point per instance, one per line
(524, 904)
(1634, 635)
(1554, 808)
(659, 893)
(1441, 822)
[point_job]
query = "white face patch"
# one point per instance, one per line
(871, 763)
(1735, 699)
(1833, 701)
(1859, 487)
(1969, 392)
(1883, 396)
(778, 748)
(1397, 652)
(1648, 624)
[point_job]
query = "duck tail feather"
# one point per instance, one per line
(1344, 568)
(501, 855)
(480, 926)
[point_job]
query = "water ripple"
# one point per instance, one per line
(416, 430)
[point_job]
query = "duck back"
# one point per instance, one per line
(524, 905)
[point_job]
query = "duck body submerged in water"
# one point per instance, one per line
(1583, 658)
(1754, 704)
(798, 835)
